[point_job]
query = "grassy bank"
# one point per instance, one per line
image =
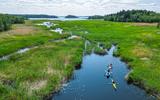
(25, 35)
(39, 71)
(138, 45)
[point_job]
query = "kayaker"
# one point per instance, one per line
(108, 74)
(114, 84)
(109, 68)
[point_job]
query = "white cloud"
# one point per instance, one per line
(147, 4)
(76, 7)
(126, 1)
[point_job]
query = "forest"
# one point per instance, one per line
(134, 16)
(7, 20)
(130, 16)
(96, 17)
(36, 15)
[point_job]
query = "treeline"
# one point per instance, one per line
(7, 20)
(130, 16)
(134, 16)
(96, 17)
(36, 16)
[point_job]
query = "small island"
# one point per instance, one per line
(36, 16)
(71, 16)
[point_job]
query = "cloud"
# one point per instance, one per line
(126, 1)
(76, 7)
(147, 4)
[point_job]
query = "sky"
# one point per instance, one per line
(75, 7)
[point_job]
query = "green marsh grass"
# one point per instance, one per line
(138, 45)
(40, 71)
(15, 39)
(36, 73)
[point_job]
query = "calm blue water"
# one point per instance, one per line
(62, 18)
(89, 83)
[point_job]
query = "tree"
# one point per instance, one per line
(158, 25)
(134, 16)
(96, 17)
(7, 20)
(1, 25)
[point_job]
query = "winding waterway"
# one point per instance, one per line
(90, 83)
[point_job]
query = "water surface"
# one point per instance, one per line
(89, 83)
(62, 18)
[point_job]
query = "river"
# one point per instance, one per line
(90, 83)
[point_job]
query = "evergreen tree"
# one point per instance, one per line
(134, 16)
(158, 25)
(7, 20)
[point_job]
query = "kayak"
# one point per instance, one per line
(107, 74)
(114, 86)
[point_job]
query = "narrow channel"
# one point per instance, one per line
(90, 83)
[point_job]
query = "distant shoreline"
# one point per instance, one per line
(61, 18)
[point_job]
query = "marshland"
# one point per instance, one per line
(67, 59)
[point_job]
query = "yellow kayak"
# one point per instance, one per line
(114, 86)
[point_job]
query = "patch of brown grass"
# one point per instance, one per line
(3, 75)
(22, 30)
(145, 59)
(141, 52)
(48, 46)
(51, 71)
(67, 60)
(34, 86)
(38, 84)
(144, 24)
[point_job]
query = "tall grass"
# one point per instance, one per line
(138, 45)
(39, 71)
